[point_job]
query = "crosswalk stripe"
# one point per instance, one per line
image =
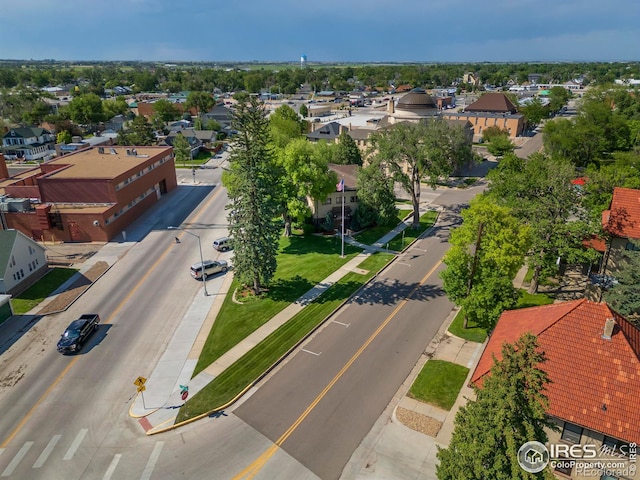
(16, 460)
(47, 451)
(112, 466)
(76, 443)
(148, 469)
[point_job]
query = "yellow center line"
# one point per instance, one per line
(252, 470)
(108, 320)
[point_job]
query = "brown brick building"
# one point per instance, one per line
(491, 110)
(90, 195)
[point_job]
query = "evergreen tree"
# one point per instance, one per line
(509, 411)
(254, 198)
(346, 151)
(376, 195)
(139, 132)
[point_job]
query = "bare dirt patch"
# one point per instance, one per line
(418, 422)
(77, 288)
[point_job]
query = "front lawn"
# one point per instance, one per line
(303, 261)
(40, 290)
(409, 234)
(372, 235)
(439, 383)
(230, 383)
(475, 333)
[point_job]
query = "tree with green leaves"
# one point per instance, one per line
(376, 197)
(534, 112)
(303, 174)
(421, 152)
(486, 252)
(558, 97)
(251, 182)
(500, 146)
(540, 193)
(346, 151)
(86, 109)
(213, 125)
(304, 111)
(111, 108)
(166, 110)
(201, 101)
(624, 297)
(137, 132)
(286, 126)
(509, 410)
(63, 137)
(181, 149)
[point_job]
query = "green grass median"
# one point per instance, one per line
(257, 361)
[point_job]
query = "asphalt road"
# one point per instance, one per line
(319, 406)
(67, 416)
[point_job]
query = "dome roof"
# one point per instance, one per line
(416, 99)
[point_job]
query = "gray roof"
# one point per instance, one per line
(329, 131)
(7, 240)
(26, 132)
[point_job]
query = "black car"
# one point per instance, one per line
(77, 333)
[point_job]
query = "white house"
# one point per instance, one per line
(22, 261)
(28, 143)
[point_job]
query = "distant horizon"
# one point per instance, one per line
(308, 63)
(358, 31)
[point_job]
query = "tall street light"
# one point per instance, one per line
(204, 277)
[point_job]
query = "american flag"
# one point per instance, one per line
(340, 185)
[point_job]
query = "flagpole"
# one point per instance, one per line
(342, 251)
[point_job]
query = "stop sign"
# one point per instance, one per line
(185, 394)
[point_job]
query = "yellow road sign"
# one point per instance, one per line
(141, 388)
(140, 381)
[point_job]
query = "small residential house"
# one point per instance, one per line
(189, 134)
(28, 143)
(593, 363)
(22, 261)
(329, 132)
(339, 202)
(622, 222)
(220, 114)
(115, 123)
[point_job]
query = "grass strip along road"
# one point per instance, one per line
(263, 356)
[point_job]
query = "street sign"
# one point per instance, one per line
(140, 381)
(141, 388)
(184, 388)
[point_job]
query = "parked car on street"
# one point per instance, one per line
(211, 267)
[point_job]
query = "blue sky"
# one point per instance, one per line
(326, 31)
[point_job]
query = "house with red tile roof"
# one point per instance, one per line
(593, 363)
(622, 222)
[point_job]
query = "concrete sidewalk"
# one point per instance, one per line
(158, 406)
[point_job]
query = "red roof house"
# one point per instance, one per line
(623, 217)
(592, 362)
